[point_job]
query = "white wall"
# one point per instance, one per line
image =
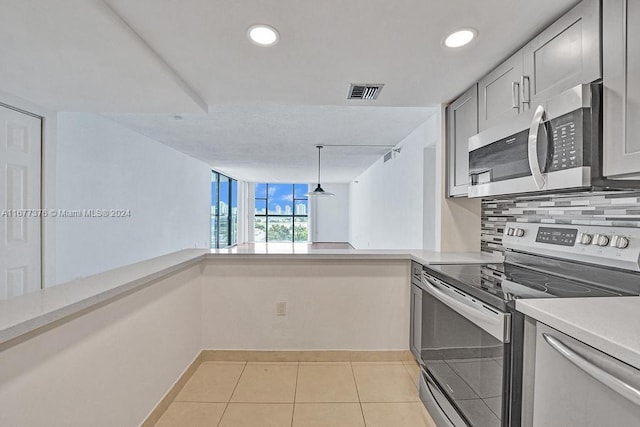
(108, 367)
(430, 184)
(102, 165)
(329, 216)
(387, 201)
(331, 304)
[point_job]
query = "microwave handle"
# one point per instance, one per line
(534, 165)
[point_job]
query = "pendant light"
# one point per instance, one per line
(319, 191)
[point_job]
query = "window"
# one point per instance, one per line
(281, 213)
(224, 210)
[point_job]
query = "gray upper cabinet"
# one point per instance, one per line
(499, 93)
(564, 55)
(462, 122)
(621, 76)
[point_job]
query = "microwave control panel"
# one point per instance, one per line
(566, 141)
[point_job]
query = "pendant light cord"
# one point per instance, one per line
(319, 191)
(319, 148)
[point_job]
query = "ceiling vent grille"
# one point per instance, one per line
(391, 154)
(364, 91)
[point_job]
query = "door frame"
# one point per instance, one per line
(48, 133)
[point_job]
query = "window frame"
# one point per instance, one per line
(293, 214)
(231, 225)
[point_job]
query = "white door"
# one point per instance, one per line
(20, 224)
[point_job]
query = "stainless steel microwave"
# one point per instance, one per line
(557, 146)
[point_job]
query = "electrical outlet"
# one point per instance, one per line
(281, 308)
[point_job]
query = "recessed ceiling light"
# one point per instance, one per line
(263, 35)
(460, 37)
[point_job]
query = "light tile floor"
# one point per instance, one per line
(305, 394)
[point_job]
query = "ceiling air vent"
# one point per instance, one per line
(388, 156)
(364, 91)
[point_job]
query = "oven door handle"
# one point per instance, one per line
(616, 384)
(534, 165)
(491, 322)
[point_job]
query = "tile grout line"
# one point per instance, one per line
(295, 393)
(231, 395)
(358, 393)
(406, 368)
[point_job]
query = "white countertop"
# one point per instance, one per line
(27, 313)
(303, 249)
(611, 325)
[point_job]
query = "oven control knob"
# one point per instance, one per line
(519, 232)
(586, 239)
(600, 240)
(620, 242)
(510, 231)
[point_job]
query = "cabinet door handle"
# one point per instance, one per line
(616, 384)
(515, 95)
(525, 83)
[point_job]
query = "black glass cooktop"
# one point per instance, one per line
(501, 284)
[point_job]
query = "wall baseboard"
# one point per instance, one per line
(169, 397)
(270, 356)
(306, 356)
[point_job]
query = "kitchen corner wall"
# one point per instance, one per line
(402, 203)
(387, 203)
(102, 165)
(617, 209)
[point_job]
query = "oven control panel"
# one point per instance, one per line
(557, 236)
(606, 246)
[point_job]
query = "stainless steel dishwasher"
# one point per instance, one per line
(573, 384)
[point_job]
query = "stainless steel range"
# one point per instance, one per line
(471, 337)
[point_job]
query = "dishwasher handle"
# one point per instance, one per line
(616, 384)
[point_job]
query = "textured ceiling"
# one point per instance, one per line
(325, 45)
(277, 143)
(146, 60)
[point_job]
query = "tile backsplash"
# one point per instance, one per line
(617, 209)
